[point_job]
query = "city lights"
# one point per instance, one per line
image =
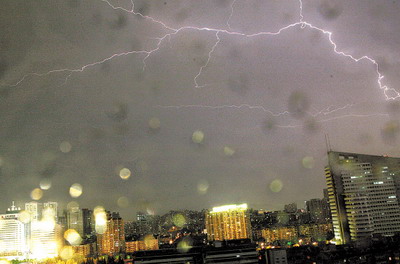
(125, 122)
(229, 207)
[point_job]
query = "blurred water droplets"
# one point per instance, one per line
(73, 237)
(36, 194)
(179, 220)
(308, 162)
(154, 123)
(330, 10)
(202, 187)
(24, 217)
(185, 245)
(125, 173)
(123, 202)
(72, 205)
(65, 147)
(67, 252)
(45, 184)
(118, 113)
(298, 104)
(75, 190)
(228, 151)
(198, 136)
(390, 131)
(276, 185)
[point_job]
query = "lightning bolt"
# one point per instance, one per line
(230, 15)
(324, 112)
(208, 61)
(336, 118)
(220, 107)
(171, 31)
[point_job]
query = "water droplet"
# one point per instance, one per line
(276, 185)
(124, 173)
(65, 147)
(36, 194)
(75, 190)
(198, 137)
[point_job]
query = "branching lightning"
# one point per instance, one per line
(242, 106)
(390, 93)
(230, 15)
(207, 62)
(324, 112)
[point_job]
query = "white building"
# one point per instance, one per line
(13, 235)
(363, 195)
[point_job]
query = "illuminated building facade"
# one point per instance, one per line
(112, 241)
(318, 210)
(149, 243)
(307, 233)
(45, 239)
(44, 233)
(228, 222)
(85, 250)
(13, 235)
(363, 195)
(51, 208)
(283, 233)
(35, 210)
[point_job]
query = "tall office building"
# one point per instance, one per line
(363, 195)
(228, 222)
(45, 239)
(13, 235)
(112, 241)
(75, 220)
(44, 233)
(35, 210)
(51, 208)
(88, 222)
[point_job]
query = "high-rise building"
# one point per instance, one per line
(147, 243)
(35, 210)
(13, 235)
(88, 222)
(75, 220)
(51, 208)
(45, 239)
(363, 195)
(44, 232)
(317, 209)
(112, 241)
(228, 222)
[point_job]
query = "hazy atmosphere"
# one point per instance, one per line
(204, 102)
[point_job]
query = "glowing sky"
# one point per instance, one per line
(190, 104)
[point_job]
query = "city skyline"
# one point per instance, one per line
(190, 104)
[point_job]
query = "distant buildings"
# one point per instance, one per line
(228, 222)
(290, 208)
(147, 243)
(289, 235)
(363, 195)
(318, 210)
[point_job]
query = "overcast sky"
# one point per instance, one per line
(91, 87)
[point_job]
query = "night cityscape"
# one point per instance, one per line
(191, 132)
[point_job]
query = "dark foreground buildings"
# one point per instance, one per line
(363, 196)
